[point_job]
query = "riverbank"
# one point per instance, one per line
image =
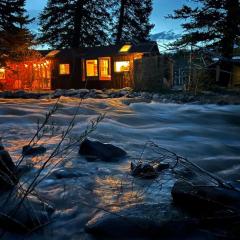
(223, 97)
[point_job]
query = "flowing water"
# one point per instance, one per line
(208, 135)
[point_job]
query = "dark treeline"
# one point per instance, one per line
(80, 23)
(15, 38)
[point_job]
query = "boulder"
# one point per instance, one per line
(8, 176)
(205, 199)
(148, 221)
(147, 170)
(23, 216)
(29, 150)
(102, 151)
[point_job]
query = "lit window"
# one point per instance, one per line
(64, 69)
(105, 71)
(92, 68)
(125, 48)
(2, 73)
(122, 66)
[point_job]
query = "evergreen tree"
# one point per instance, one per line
(214, 24)
(75, 23)
(15, 38)
(132, 21)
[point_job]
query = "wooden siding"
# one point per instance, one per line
(78, 79)
(236, 76)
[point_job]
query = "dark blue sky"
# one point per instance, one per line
(161, 8)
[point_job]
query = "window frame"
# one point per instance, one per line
(109, 76)
(86, 69)
(69, 69)
(115, 62)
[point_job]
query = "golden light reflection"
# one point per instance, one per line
(116, 193)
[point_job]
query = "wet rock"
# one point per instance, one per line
(29, 150)
(205, 198)
(102, 151)
(67, 173)
(142, 220)
(147, 170)
(162, 166)
(18, 215)
(143, 171)
(8, 176)
(23, 169)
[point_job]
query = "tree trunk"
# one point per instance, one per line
(120, 22)
(230, 34)
(76, 41)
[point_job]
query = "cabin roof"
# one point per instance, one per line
(103, 51)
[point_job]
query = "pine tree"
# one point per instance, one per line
(15, 38)
(215, 24)
(133, 20)
(75, 23)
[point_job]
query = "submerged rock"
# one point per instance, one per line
(68, 173)
(147, 170)
(142, 220)
(17, 215)
(8, 176)
(205, 198)
(29, 150)
(97, 150)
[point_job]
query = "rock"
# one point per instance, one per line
(152, 221)
(28, 150)
(22, 216)
(71, 92)
(105, 152)
(147, 170)
(162, 166)
(205, 198)
(58, 93)
(22, 170)
(67, 173)
(102, 96)
(8, 176)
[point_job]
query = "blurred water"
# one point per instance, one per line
(209, 135)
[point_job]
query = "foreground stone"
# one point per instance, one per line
(143, 221)
(205, 199)
(29, 150)
(8, 176)
(18, 216)
(94, 150)
(147, 170)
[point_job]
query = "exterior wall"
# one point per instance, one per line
(78, 79)
(236, 76)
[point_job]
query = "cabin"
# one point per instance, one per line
(103, 67)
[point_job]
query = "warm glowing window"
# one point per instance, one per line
(125, 48)
(2, 73)
(122, 66)
(92, 68)
(105, 71)
(64, 69)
